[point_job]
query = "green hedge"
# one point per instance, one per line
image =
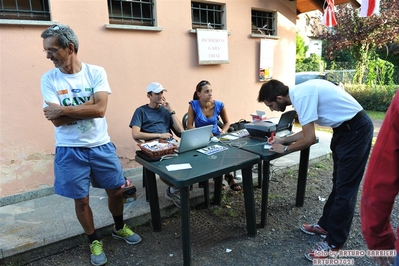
(377, 98)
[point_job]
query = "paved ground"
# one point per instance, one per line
(377, 125)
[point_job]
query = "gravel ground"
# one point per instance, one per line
(222, 239)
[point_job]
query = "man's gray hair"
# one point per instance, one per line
(65, 35)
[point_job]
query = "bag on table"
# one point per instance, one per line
(238, 125)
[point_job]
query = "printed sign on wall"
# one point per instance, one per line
(266, 59)
(212, 46)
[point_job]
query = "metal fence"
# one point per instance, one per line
(347, 76)
(344, 76)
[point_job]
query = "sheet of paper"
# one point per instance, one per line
(175, 167)
(267, 146)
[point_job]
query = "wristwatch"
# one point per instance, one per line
(172, 113)
(285, 149)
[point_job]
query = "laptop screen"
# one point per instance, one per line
(286, 120)
(282, 127)
(194, 138)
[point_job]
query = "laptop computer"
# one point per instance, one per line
(282, 128)
(285, 124)
(195, 138)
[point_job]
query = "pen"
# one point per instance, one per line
(271, 137)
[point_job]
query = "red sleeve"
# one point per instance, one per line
(381, 184)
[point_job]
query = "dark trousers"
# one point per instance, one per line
(350, 146)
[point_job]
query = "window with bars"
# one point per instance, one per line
(131, 12)
(263, 22)
(25, 10)
(204, 15)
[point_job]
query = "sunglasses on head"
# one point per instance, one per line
(202, 83)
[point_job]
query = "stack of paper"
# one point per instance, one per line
(212, 149)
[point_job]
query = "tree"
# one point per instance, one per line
(362, 36)
(312, 63)
(301, 48)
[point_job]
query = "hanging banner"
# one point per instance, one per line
(329, 19)
(369, 7)
(212, 47)
(266, 59)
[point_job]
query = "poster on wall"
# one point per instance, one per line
(266, 59)
(212, 47)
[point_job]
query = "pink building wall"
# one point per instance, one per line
(132, 59)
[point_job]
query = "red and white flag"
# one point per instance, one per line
(369, 7)
(329, 19)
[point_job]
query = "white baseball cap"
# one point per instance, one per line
(155, 87)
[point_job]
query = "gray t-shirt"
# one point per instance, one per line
(152, 120)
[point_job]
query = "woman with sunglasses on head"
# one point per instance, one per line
(203, 111)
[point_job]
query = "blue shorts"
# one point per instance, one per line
(76, 167)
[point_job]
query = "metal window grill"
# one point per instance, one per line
(131, 12)
(263, 22)
(25, 10)
(204, 15)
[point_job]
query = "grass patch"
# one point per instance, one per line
(231, 213)
(276, 196)
(376, 115)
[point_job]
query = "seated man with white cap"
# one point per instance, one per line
(154, 121)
